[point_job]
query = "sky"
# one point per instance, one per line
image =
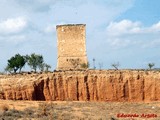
(124, 31)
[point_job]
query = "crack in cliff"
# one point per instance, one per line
(87, 87)
(55, 91)
(143, 87)
(38, 91)
(77, 86)
(126, 91)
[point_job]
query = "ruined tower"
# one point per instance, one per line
(71, 46)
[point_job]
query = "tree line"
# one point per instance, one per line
(34, 61)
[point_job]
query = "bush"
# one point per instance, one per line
(85, 65)
(13, 113)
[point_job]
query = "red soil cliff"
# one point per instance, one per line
(108, 85)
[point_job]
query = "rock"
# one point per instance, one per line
(91, 85)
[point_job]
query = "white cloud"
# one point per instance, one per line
(123, 27)
(127, 33)
(156, 27)
(12, 25)
(52, 28)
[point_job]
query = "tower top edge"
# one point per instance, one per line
(67, 25)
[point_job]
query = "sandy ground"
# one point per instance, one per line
(66, 110)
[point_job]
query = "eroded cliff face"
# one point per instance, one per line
(109, 85)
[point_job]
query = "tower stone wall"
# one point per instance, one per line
(71, 46)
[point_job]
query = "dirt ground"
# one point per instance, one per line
(72, 110)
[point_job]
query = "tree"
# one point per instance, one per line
(41, 67)
(150, 65)
(78, 64)
(16, 62)
(35, 61)
(115, 65)
(85, 65)
(100, 65)
(8, 69)
(94, 67)
(47, 67)
(21, 61)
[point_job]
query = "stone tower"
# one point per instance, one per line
(71, 46)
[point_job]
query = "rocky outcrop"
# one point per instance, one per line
(92, 85)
